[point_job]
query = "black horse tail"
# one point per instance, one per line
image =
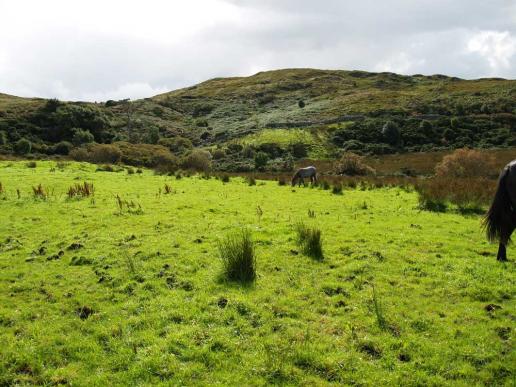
(497, 221)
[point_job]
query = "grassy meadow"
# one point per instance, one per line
(124, 287)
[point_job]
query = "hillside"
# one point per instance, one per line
(306, 112)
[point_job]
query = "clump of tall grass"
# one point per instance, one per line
(130, 207)
(81, 190)
(251, 180)
(39, 192)
(238, 257)
(310, 241)
(378, 311)
(337, 189)
(468, 194)
(1, 188)
(167, 189)
(225, 178)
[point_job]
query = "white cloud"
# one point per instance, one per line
(101, 49)
(401, 63)
(496, 47)
(134, 90)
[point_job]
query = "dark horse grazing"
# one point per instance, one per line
(500, 220)
(301, 173)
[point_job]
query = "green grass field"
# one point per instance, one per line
(91, 294)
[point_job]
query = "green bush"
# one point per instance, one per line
(260, 160)
(3, 138)
(81, 137)
(177, 145)
(153, 135)
(63, 148)
(391, 133)
(22, 146)
(238, 257)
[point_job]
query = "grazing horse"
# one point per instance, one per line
(301, 173)
(500, 220)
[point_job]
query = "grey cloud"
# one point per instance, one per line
(399, 35)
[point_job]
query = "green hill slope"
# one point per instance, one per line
(336, 110)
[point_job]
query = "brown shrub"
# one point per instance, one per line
(466, 163)
(352, 164)
(97, 153)
(197, 160)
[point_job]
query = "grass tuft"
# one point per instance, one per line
(39, 192)
(83, 190)
(310, 241)
(238, 257)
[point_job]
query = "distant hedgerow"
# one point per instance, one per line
(238, 257)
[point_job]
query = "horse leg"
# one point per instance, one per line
(502, 247)
(502, 253)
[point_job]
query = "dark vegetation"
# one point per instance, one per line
(345, 111)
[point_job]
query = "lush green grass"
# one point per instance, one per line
(93, 293)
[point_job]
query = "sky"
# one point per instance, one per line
(97, 50)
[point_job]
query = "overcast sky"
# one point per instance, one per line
(111, 49)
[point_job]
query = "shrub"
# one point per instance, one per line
(218, 154)
(197, 160)
(310, 241)
(391, 133)
(238, 257)
(224, 178)
(81, 137)
(32, 164)
(251, 180)
(97, 153)
(301, 103)
(63, 148)
(22, 146)
(177, 145)
(152, 136)
(465, 163)
(352, 164)
(260, 160)
(298, 150)
(281, 181)
(165, 162)
(3, 138)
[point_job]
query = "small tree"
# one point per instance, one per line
(260, 160)
(23, 146)
(3, 138)
(391, 133)
(153, 135)
(82, 137)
